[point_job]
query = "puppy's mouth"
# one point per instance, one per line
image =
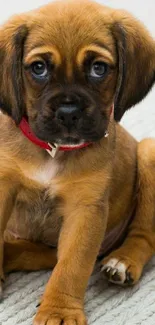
(72, 127)
(70, 141)
(50, 131)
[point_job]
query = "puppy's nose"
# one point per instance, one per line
(68, 114)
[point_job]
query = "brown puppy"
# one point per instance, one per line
(64, 67)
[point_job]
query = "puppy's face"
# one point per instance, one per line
(70, 73)
(68, 63)
(69, 88)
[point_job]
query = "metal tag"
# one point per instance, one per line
(54, 149)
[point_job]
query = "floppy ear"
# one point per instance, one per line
(12, 37)
(136, 57)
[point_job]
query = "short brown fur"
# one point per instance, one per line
(93, 189)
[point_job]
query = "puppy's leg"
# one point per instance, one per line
(7, 199)
(79, 243)
(125, 265)
(22, 255)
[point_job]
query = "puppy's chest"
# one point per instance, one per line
(36, 217)
(37, 206)
(43, 174)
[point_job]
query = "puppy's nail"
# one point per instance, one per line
(116, 277)
(106, 134)
(113, 272)
(102, 268)
(105, 269)
(129, 280)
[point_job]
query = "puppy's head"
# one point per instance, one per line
(64, 65)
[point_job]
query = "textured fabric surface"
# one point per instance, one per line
(105, 304)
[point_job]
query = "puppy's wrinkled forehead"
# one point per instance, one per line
(68, 31)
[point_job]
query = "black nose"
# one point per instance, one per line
(68, 114)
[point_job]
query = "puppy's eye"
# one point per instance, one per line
(39, 69)
(98, 69)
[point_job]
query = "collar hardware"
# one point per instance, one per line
(54, 149)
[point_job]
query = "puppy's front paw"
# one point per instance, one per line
(53, 315)
(120, 270)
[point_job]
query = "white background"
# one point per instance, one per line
(145, 10)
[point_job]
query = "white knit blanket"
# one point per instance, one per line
(105, 304)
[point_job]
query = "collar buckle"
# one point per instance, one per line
(54, 148)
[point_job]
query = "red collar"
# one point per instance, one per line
(50, 148)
